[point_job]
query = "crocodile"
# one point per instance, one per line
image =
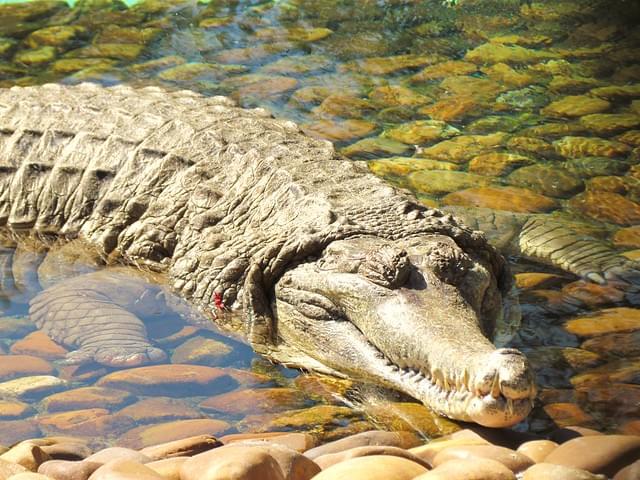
(241, 216)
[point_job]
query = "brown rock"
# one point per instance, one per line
(12, 366)
(377, 467)
(187, 447)
(421, 132)
(372, 438)
(40, 345)
(396, 95)
(86, 397)
(86, 422)
(201, 351)
(502, 198)
(514, 461)
(453, 108)
(610, 123)
(255, 400)
(576, 147)
(436, 182)
(566, 414)
(403, 166)
(294, 466)
(243, 463)
(465, 469)
(612, 399)
(387, 65)
(168, 468)
(504, 74)
(606, 454)
(326, 417)
(576, 106)
(497, 164)
(463, 148)
(407, 416)
(344, 131)
(14, 431)
(548, 180)
(148, 435)
(610, 320)
(117, 453)
(10, 409)
(429, 451)
(618, 344)
(248, 379)
(562, 435)
(7, 469)
(616, 371)
(443, 70)
(160, 409)
(325, 461)
(537, 450)
(490, 53)
(300, 442)
(531, 145)
(170, 380)
(27, 454)
(536, 280)
(627, 237)
(124, 469)
(68, 470)
(345, 106)
(631, 137)
(266, 88)
(592, 294)
(548, 471)
(607, 207)
(29, 476)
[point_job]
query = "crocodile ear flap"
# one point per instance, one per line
(259, 322)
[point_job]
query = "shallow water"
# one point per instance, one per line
(532, 82)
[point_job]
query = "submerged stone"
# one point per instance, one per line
(576, 106)
(567, 414)
(70, 65)
(547, 179)
(421, 131)
(611, 320)
(340, 131)
(618, 92)
(502, 198)
(346, 106)
(86, 397)
(15, 327)
(190, 72)
(36, 56)
(402, 166)
(610, 123)
(32, 386)
(158, 64)
(438, 182)
(40, 345)
(298, 65)
(443, 70)
(258, 400)
(114, 34)
(531, 145)
(490, 53)
(202, 351)
(463, 148)
(7, 46)
(325, 417)
(396, 95)
(160, 409)
(387, 65)
(574, 147)
(148, 435)
(376, 147)
(607, 207)
(116, 51)
(454, 108)
(86, 422)
(627, 237)
(497, 164)
(60, 36)
(13, 409)
(503, 73)
(587, 167)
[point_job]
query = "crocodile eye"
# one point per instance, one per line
(388, 267)
(449, 263)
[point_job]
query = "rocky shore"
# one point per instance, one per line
(571, 453)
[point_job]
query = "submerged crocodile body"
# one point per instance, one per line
(332, 269)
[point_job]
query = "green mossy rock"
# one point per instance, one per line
(35, 56)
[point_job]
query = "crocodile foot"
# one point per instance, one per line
(131, 356)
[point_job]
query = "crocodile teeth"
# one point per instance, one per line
(510, 406)
(495, 386)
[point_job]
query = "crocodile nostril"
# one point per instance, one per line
(506, 372)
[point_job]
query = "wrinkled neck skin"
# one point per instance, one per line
(416, 315)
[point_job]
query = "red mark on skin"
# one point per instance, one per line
(217, 300)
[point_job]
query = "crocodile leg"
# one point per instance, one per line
(93, 312)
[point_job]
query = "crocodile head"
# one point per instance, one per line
(416, 315)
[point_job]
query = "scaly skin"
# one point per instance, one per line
(333, 269)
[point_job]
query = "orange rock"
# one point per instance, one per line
(86, 397)
(504, 74)
(12, 366)
(344, 131)
(610, 320)
(576, 106)
(387, 65)
(160, 409)
(88, 422)
(246, 463)
(534, 280)
(10, 409)
(565, 414)
(125, 469)
(444, 70)
(463, 148)
(371, 438)
(514, 461)
(627, 237)
(377, 467)
(607, 207)
(616, 371)
(184, 447)
(532, 145)
(576, 147)
(40, 345)
(496, 164)
(255, 401)
(170, 380)
(592, 294)
(300, 442)
(396, 95)
(537, 450)
(147, 435)
(453, 108)
(269, 87)
(502, 198)
(461, 469)
(325, 461)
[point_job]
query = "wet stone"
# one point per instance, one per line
(616, 371)
(114, 34)
(341, 131)
(436, 182)
(125, 470)
(377, 467)
(453, 108)
(39, 345)
(266, 88)
(300, 442)
(169, 380)
(630, 137)
(299, 65)
(345, 106)
(607, 207)
(35, 57)
(159, 409)
(13, 431)
(255, 400)
(611, 399)
(491, 53)
(87, 397)
(157, 64)
(15, 327)
(396, 95)
(618, 344)
(502, 198)
(376, 147)
(294, 34)
(60, 36)
(576, 106)
(12, 366)
(618, 92)
(601, 454)
(87, 422)
(32, 386)
(250, 55)
(611, 320)
(195, 72)
(326, 417)
(592, 294)
(614, 184)
(497, 164)
(148, 435)
(202, 351)
(536, 280)
(610, 124)
(573, 84)
(70, 65)
(444, 70)
(421, 131)
(587, 167)
(463, 148)
(407, 416)
(575, 147)
(403, 166)
(549, 180)
(566, 414)
(554, 130)
(7, 46)
(387, 65)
